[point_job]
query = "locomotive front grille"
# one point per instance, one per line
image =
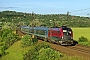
(66, 37)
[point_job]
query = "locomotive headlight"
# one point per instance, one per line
(70, 32)
(62, 37)
(60, 41)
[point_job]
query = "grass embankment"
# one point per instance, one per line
(16, 53)
(78, 32)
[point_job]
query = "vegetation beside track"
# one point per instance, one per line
(84, 41)
(17, 52)
(82, 35)
(78, 32)
(7, 38)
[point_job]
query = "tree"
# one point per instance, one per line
(37, 23)
(5, 32)
(48, 54)
(26, 40)
(7, 38)
(42, 51)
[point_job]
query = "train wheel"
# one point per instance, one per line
(74, 43)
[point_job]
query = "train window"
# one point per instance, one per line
(64, 30)
(69, 32)
(41, 32)
(65, 33)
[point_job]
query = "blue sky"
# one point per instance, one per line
(82, 7)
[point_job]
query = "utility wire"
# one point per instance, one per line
(80, 10)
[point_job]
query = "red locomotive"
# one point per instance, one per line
(63, 35)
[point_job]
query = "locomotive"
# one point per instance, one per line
(61, 35)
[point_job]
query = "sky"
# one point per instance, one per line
(75, 7)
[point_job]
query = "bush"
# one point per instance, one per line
(85, 43)
(5, 32)
(26, 40)
(38, 46)
(42, 51)
(82, 39)
(2, 51)
(33, 52)
(34, 40)
(10, 39)
(48, 54)
(7, 38)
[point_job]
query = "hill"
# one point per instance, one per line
(49, 20)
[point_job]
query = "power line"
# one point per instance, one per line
(70, 12)
(80, 10)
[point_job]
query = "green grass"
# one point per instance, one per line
(78, 32)
(15, 52)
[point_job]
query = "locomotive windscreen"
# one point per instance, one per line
(67, 33)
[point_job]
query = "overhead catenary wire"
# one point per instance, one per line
(79, 12)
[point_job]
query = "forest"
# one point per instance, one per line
(48, 20)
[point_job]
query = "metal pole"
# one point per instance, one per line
(67, 15)
(32, 24)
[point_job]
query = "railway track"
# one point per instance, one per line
(80, 48)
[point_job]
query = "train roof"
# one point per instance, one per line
(36, 28)
(24, 26)
(46, 28)
(41, 28)
(55, 29)
(59, 28)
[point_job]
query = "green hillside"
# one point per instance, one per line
(49, 20)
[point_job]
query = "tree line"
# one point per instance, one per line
(49, 20)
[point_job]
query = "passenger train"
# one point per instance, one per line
(62, 35)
